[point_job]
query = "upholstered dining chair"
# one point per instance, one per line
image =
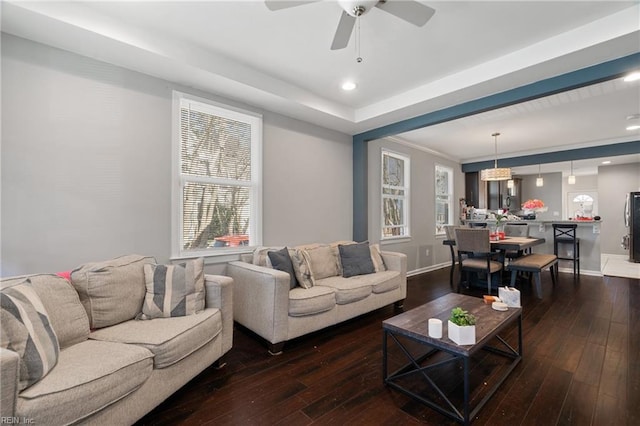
(475, 255)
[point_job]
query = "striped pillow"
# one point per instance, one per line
(173, 290)
(27, 331)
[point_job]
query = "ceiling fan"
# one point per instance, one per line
(408, 10)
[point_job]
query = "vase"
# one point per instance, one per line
(462, 335)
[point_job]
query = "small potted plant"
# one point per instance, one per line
(461, 327)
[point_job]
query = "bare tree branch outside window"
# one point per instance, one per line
(219, 148)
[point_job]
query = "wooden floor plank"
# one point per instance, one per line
(581, 361)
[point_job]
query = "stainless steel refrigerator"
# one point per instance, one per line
(632, 222)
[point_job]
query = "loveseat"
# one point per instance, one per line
(269, 303)
(99, 359)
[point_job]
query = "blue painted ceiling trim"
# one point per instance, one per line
(624, 148)
(572, 80)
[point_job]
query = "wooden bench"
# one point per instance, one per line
(534, 263)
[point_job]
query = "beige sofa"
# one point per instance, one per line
(265, 304)
(111, 368)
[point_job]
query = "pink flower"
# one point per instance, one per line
(533, 204)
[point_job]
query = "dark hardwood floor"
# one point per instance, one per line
(581, 366)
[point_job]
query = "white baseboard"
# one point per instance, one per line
(428, 269)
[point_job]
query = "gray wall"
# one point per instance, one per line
(422, 208)
(550, 193)
(614, 182)
(86, 165)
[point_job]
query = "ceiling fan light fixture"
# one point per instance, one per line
(502, 173)
(357, 8)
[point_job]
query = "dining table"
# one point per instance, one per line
(500, 245)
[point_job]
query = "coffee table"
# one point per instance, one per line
(412, 326)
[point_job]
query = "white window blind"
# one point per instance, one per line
(444, 198)
(395, 195)
(218, 177)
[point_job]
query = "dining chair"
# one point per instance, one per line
(475, 255)
(451, 242)
(516, 230)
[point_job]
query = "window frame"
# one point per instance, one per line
(406, 198)
(449, 196)
(179, 180)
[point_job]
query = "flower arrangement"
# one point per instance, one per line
(533, 204)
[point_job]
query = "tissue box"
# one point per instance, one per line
(510, 296)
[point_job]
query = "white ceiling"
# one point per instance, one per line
(281, 61)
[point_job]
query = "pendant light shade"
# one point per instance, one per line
(495, 173)
(571, 180)
(539, 180)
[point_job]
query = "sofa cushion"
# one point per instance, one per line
(356, 259)
(381, 282)
(309, 301)
(281, 260)
(348, 290)
(301, 268)
(169, 339)
(66, 314)
(173, 290)
(88, 377)
(26, 330)
(111, 291)
(322, 262)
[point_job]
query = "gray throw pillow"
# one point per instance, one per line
(356, 259)
(281, 260)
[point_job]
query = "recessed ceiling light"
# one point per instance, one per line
(606, 162)
(633, 127)
(633, 76)
(349, 85)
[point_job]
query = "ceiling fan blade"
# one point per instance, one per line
(282, 4)
(343, 32)
(410, 11)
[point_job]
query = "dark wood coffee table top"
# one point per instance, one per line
(415, 323)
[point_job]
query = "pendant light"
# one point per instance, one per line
(539, 180)
(495, 173)
(571, 180)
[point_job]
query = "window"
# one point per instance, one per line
(217, 176)
(395, 195)
(444, 198)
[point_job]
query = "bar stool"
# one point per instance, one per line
(565, 233)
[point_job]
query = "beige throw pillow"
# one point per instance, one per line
(322, 262)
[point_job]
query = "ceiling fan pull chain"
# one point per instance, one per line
(358, 58)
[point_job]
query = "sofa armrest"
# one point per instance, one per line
(10, 374)
(261, 299)
(219, 294)
(395, 261)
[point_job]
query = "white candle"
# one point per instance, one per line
(435, 328)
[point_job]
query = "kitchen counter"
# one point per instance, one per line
(588, 232)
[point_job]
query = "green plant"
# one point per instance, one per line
(461, 317)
